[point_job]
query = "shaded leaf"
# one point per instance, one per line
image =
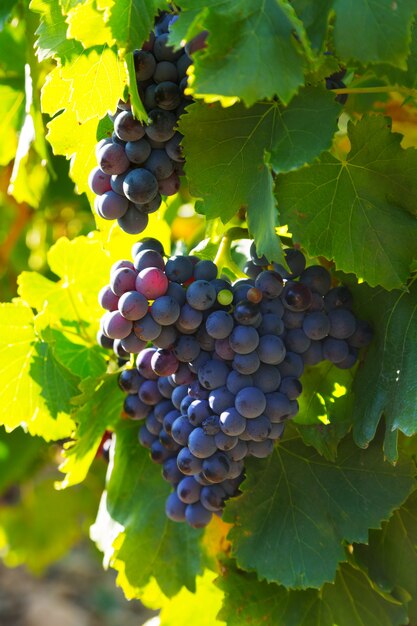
(358, 212)
(297, 509)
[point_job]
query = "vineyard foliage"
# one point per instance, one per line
(324, 530)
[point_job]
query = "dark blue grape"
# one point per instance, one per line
(244, 339)
(133, 305)
(146, 438)
(212, 497)
(362, 336)
(338, 297)
(167, 95)
(246, 363)
(174, 508)
(188, 490)
(316, 325)
(133, 221)
(270, 284)
(146, 328)
(135, 408)
(201, 295)
(237, 381)
(179, 269)
(291, 387)
(260, 449)
(205, 270)
(160, 125)
(220, 399)
(170, 471)
(267, 378)
(317, 278)
(165, 310)
(200, 444)
(197, 516)
(250, 402)
(277, 407)
(335, 350)
(147, 243)
(232, 422)
(271, 349)
(217, 467)
(213, 374)
(297, 341)
(258, 429)
(130, 380)
(181, 429)
(342, 323)
(271, 324)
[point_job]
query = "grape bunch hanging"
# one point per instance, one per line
(218, 365)
(142, 162)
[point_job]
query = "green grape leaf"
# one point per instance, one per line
(82, 360)
(37, 390)
(82, 267)
(325, 414)
(131, 21)
(199, 608)
(19, 455)
(86, 23)
(314, 16)
(350, 601)
(276, 532)
(6, 8)
(97, 80)
(390, 559)
(236, 141)
(228, 67)
(58, 521)
(358, 212)
(145, 543)
(369, 31)
(52, 32)
(386, 385)
(11, 117)
(98, 409)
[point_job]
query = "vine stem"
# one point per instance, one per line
(381, 89)
(223, 256)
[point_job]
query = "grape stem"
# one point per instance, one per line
(381, 89)
(223, 256)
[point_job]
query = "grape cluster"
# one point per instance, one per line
(218, 365)
(143, 161)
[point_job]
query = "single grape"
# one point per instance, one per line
(111, 205)
(160, 125)
(250, 402)
(257, 260)
(169, 186)
(217, 467)
(362, 335)
(187, 348)
(197, 516)
(138, 151)
(213, 374)
(152, 283)
(277, 406)
(188, 490)
(98, 181)
(115, 326)
(271, 349)
(338, 297)
(159, 164)
(316, 325)
(132, 344)
(317, 278)
(170, 471)
(112, 159)
(232, 422)
(148, 258)
(201, 295)
(133, 305)
(146, 438)
(291, 387)
(167, 94)
(165, 310)
(219, 324)
(149, 393)
(140, 186)
(167, 338)
(143, 363)
(127, 128)
(267, 378)
(314, 354)
(220, 399)
(200, 444)
(259, 428)
(116, 182)
(189, 318)
(103, 341)
(342, 323)
(146, 328)
(144, 64)
(164, 363)
(246, 363)
(187, 463)
(335, 350)
(205, 270)
(147, 243)
(212, 497)
(133, 221)
(270, 284)
(108, 299)
(296, 296)
(260, 449)
(244, 339)
(174, 149)
(181, 429)
(174, 508)
(163, 51)
(297, 341)
(134, 408)
(130, 380)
